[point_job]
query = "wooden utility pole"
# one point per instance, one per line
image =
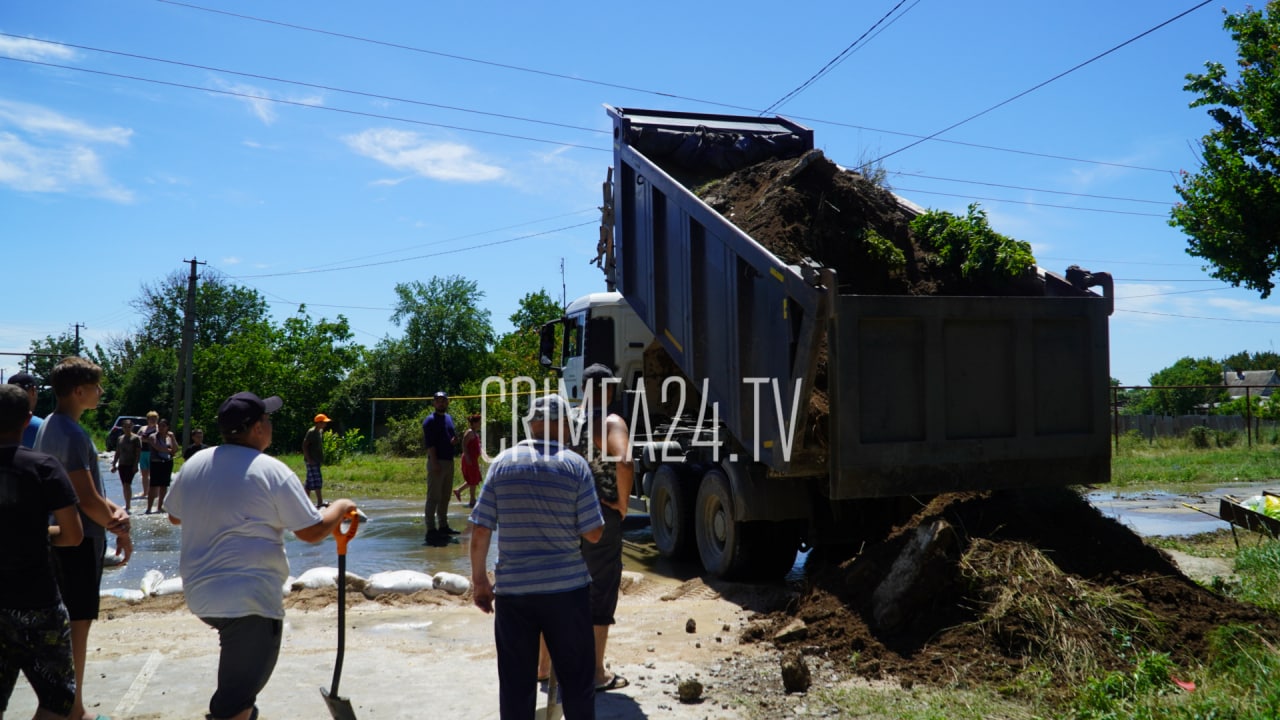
(182, 388)
(77, 348)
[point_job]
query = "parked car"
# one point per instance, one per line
(113, 435)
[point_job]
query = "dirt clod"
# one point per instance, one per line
(795, 673)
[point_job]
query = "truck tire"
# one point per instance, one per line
(671, 513)
(720, 545)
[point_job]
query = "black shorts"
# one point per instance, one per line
(250, 648)
(79, 573)
(604, 562)
(161, 472)
(127, 472)
(38, 642)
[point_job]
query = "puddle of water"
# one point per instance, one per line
(1164, 513)
(391, 540)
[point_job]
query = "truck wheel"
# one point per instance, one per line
(671, 513)
(719, 536)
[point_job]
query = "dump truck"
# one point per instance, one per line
(924, 394)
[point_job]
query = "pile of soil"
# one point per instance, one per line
(809, 208)
(1027, 579)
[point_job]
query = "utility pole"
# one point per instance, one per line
(185, 371)
(77, 348)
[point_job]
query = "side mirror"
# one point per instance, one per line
(547, 345)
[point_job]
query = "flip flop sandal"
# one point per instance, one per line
(616, 683)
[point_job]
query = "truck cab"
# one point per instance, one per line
(597, 328)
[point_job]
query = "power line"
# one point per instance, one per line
(1032, 89)
(315, 86)
(437, 53)
(1019, 187)
(1176, 292)
(831, 64)
(313, 271)
(659, 93)
(1105, 263)
(1025, 202)
(457, 237)
(1199, 317)
(296, 103)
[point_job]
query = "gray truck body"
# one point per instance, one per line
(926, 394)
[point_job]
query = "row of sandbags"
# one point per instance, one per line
(154, 583)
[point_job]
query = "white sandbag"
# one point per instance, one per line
(111, 559)
(288, 585)
(150, 579)
(122, 593)
(452, 583)
(630, 579)
(326, 577)
(168, 586)
(398, 581)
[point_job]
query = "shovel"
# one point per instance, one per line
(339, 707)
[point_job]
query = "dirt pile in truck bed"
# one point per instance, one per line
(809, 207)
(1028, 580)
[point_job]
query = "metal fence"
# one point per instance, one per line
(1163, 426)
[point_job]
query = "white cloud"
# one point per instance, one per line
(403, 150)
(258, 100)
(233, 260)
(32, 49)
(31, 168)
(38, 120)
(42, 150)
(261, 102)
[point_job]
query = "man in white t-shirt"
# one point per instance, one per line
(234, 504)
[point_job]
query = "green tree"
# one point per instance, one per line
(1246, 360)
(1182, 400)
(447, 335)
(1230, 207)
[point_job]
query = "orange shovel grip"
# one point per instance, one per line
(353, 520)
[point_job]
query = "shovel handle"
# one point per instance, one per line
(352, 520)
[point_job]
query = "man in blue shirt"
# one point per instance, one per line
(543, 496)
(441, 440)
(28, 382)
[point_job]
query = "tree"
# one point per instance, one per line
(1230, 207)
(1185, 400)
(1246, 360)
(447, 334)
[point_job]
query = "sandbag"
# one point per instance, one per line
(326, 577)
(168, 586)
(150, 579)
(398, 581)
(122, 593)
(452, 583)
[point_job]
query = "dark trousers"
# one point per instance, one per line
(564, 619)
(250, 646)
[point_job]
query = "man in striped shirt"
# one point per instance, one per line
(544, 498)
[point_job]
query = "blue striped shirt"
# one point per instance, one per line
(543, 497)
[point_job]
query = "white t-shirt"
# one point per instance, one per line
(235, 504)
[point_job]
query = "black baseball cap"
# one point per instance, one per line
(24, 380)
(243, 409)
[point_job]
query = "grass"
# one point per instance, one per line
(1173, 462)
(370, 476)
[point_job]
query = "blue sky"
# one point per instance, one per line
(419, 139)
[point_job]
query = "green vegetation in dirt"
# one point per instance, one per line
(1172, 462)
(1236, 681)
(891, 702)
(1259, 570)
(1217, 544)
(968, 246)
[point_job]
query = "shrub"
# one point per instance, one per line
(340, 447)
(403, 438)
(1199, 437)
(971, 248)
(1226, 438)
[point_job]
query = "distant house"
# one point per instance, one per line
(1238, 380)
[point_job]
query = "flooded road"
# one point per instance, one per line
(392, 539)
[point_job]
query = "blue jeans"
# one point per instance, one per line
(564, 619)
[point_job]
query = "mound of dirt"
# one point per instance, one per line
(1023, 579)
